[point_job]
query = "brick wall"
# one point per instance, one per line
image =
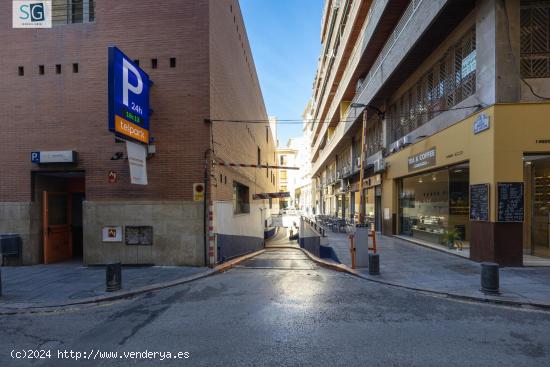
(69, 111)
(236, 95)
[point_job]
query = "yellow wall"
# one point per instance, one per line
(495, 155)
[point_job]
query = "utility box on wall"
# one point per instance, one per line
(139, 235)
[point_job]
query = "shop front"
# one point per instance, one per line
(434, 206)
(479, 188)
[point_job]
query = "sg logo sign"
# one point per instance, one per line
(32, 14)
(128, 98)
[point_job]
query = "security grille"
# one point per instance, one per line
(448, 82)
(535, 39)
(374, 139)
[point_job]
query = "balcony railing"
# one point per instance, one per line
(394, 36)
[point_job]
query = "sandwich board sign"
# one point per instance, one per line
(128, 98)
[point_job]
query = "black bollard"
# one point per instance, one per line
(489, 278)
(374, 264)
(114, 277)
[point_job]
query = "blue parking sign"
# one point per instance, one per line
(35, 157)
(128, 98)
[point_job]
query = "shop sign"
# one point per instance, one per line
(128, 98)
(63, 156)
(422, 160)
(482, 123)
(112, 234)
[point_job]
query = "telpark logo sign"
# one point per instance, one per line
(32, 14)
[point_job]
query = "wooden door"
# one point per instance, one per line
(56, 226)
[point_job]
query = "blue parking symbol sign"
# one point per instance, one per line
(35, 157)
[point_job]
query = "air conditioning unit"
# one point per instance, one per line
(406, 140)
(379, 165)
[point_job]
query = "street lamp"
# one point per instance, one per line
(381, 115)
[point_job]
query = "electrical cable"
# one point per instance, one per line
(299, 122)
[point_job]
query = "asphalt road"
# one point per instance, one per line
(280, 309)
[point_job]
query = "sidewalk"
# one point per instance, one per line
(415, 266)
(25, 286)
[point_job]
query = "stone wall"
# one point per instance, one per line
(178, 237)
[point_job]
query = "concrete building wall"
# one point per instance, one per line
(177, 232)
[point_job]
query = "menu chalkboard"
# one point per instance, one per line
(479, 202)
(510, 201)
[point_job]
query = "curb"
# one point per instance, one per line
(56, 307)
(494, 300)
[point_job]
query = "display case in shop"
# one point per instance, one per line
(429, 228)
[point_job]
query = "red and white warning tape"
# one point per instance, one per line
(211, 235)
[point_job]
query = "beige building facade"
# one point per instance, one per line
(453, 94)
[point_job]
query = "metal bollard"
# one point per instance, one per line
(114, 277)
(489, 278)
(374, 264)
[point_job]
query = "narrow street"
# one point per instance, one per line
(280, 309)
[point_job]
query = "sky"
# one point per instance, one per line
(285, 40)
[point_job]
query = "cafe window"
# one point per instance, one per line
(435, 204)
(241, 198)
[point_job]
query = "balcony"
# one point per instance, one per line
(422, 26)
(379, 22)
(352, 14)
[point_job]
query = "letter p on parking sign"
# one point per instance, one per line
(128, 98)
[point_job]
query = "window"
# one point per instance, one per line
(75, 68)
(267, 134)
(41, 69)
(270, 203)
(77, 11)
(58, 69)
(21, 71)
(73, 11)
(241, 198)
(172, 62)
(259, 156)
(154, 63)
(535, 39)
(449, 81)
(91, 11)
(267, 169)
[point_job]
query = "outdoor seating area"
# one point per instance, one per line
(336, 224)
